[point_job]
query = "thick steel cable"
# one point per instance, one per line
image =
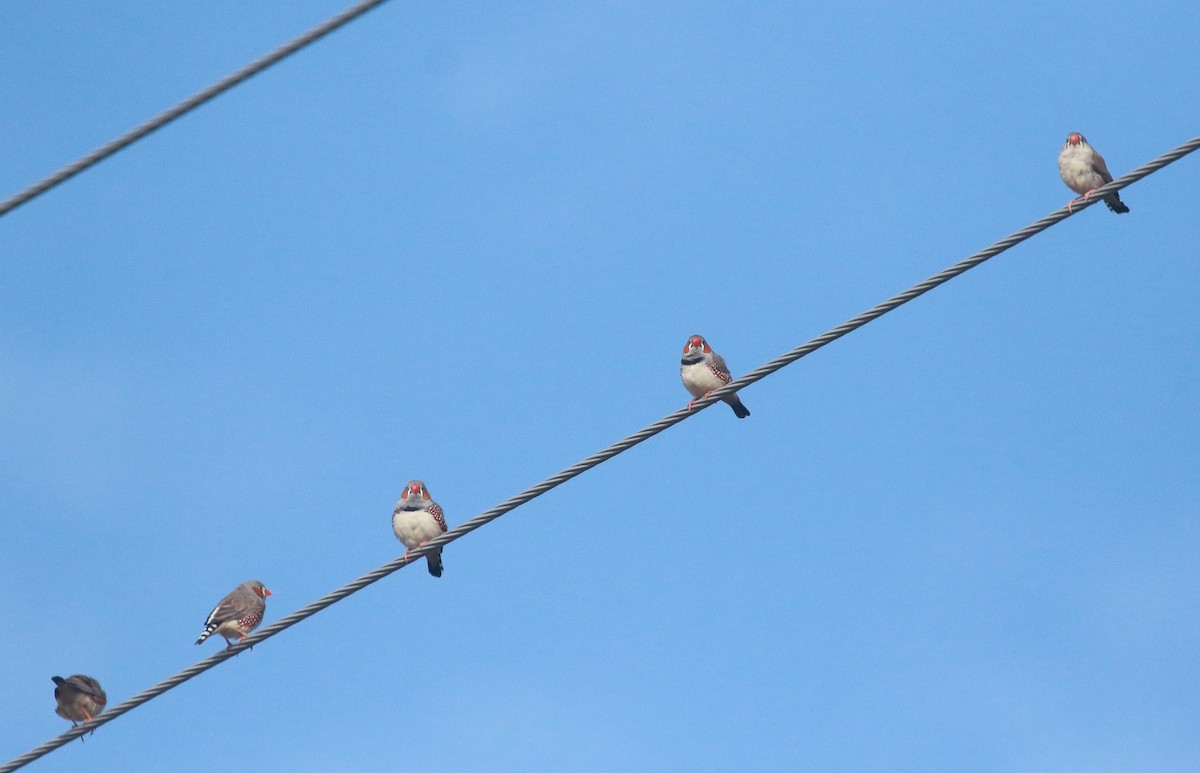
(601, 456)
(187, 105)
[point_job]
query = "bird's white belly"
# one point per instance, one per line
(229, 629)
(699, 378)
(414, 527)
(1077, 173)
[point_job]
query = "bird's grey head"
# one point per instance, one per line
(1076, 140)
(695, 350)
(415, 496)
(257, 588)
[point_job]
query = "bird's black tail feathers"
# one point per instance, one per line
(1115, 204)
(435, 563)
(208, 631)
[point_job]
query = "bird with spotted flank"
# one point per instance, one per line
(418, 519)
(703, 371)
(236, 615)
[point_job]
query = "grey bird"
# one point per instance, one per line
(1084, 170)
(418, 519)
(704, 371)
(237, 614)
(79, 697)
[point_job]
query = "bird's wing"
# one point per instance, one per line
(86, 685)
(1100, 167)
(720, 368)
(229, 608)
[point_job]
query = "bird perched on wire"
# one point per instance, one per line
(418, 519)
(703, 370)
(1084, 170)
(79, 697)
(237, 614)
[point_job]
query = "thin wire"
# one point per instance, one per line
(597, 458)
(187, 105)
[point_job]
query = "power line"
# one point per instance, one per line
(187, 105)
(602, 456)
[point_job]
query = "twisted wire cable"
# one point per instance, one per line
(187, 105)
(599, 457)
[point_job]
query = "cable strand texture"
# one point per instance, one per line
(186, 106)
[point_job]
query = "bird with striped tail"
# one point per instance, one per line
(703, 371)
(236, 615)
(418, 519)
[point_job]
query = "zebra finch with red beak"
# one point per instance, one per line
(1084, 170)
(418, 519)
(704, 371)
(237, 614)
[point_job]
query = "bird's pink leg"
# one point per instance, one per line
(89, 719)
(701, 397)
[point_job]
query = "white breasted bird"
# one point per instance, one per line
(237, 614)
(418, 519)
(703, 370)
(79, 697)
(1084, 170)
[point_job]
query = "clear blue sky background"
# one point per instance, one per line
(465, 243)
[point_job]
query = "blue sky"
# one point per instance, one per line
(466, 243)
